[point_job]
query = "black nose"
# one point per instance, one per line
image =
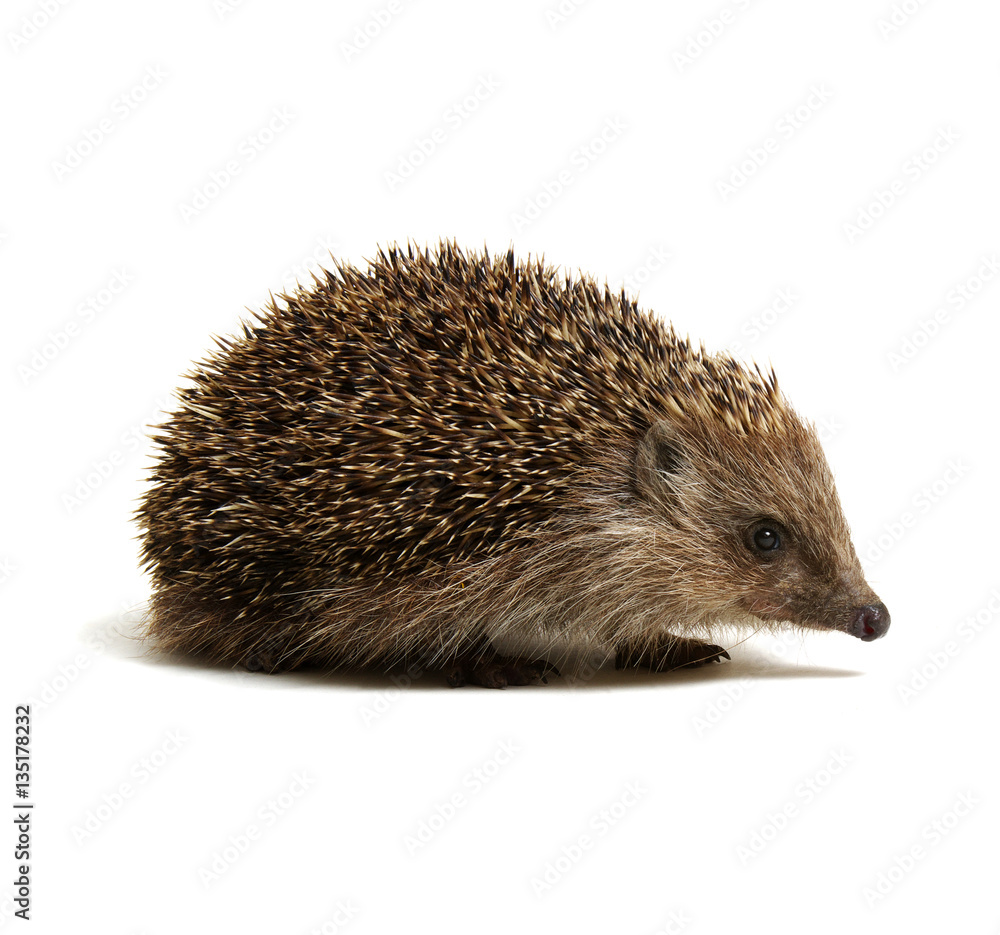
(870, 622)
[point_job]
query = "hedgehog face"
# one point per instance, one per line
(756, 525)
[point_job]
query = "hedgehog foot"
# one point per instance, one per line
(498, 672)
(670, 652)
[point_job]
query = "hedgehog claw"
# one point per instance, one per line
(712, 652)
(672, 652)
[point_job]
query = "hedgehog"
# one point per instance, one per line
(447, 451)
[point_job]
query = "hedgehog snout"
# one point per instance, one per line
(869, 622)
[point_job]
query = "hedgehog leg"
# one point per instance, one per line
(497, 671)
(668, 652)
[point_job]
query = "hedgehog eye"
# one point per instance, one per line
(766, 538)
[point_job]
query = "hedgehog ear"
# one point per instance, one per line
(658, 460)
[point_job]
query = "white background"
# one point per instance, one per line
(195, 156)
